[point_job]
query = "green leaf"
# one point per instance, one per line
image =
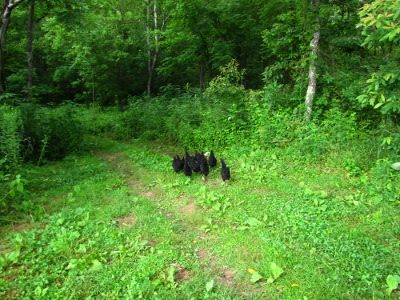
(38, 291)
(256, 277)
(396, 166)
(392, 281)
(96, 265)
(209, 285)
(20, 187)
(242, 228)
(323, 207)
(171, 274)
(270, 280)
(253, 222)
(396, 15)
(13, 256)
(276, 270)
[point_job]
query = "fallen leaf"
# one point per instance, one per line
(294, 285)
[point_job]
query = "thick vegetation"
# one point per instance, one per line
(90, 206)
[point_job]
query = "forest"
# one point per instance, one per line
(300, 99)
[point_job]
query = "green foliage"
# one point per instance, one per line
(393, 282)
(11, 138)
(226, 87)
(13, 194)
(10, 135)
(337, 128)
(51, 133)
(379, 23)
(286, 51)
(276, 272)
(296, 216)
(12, 191)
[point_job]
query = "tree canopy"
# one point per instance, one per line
(105, 51)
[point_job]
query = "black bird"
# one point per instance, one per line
(204, 169)
(186, 168)
(225, 172)
(194, 162)
(178, 163)
(212, 161)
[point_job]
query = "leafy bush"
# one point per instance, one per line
(330, 134)
(51, 133)
(10, 135)
(145, 118)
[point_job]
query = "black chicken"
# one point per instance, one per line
(187, 170)
(212, 161)
(194, 162)
(178, 163)
(225, 172)
(204, 169)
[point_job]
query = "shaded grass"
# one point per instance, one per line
(276, 210)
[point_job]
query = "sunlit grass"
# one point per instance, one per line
(121, 223)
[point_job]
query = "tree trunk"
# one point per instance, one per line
(29, 47)
(312, 73)
(202, 85)
(149, 79)
(153, 49)
(8, 6)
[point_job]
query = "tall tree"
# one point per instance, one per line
(29, 47)
(153, 43)
(312, 73)
(8, 7)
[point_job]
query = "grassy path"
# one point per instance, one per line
(119, 223)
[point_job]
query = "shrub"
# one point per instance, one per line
(51, 133)
(10, 135)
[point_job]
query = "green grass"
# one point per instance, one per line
(119, 223)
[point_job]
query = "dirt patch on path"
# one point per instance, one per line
(126, 221)
(118, 162)
(223, 273)
(189, 209)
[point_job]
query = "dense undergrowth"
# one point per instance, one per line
(324, 188)
(228, 117)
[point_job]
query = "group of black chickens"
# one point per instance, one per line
(199, 164)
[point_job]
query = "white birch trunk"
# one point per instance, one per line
(153, 49)
(312, 73)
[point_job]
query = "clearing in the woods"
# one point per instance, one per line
(118, 222)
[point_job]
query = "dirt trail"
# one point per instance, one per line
(209, 263)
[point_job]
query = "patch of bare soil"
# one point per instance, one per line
(224, 275)
(22, 227)
(182, 274)
(126, 221)
(227, 277)
(7, 250)
(204, 256)
(189, 209)
(260, 190)
(117, 162)
(149, 194)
